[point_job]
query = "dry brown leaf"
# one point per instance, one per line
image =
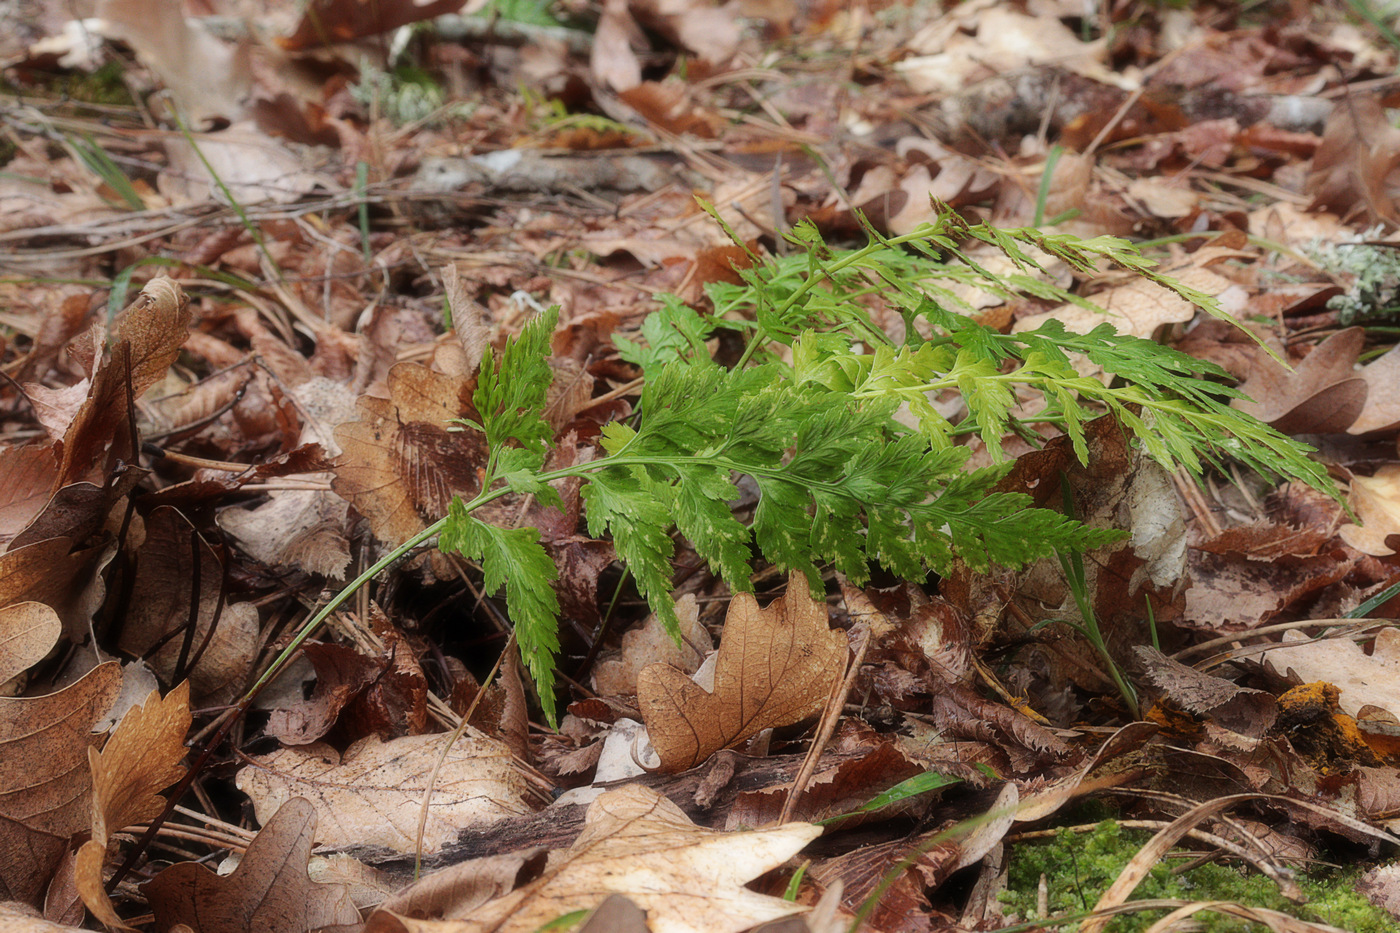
(372, 794)
(636, 843)
(1376, 501)
(1243, 710)
(44, 779)
(28, 631)
(269, 891)
(207, 77)
(1351, 169)
(29, 473)
(328, 21)
(400, 466)
(1321, 395)
(50, 572)
(173, 562)
(155, 325)
(776, 666)
(612, 62)
(141, 759)
(301, 527)
(252, 165)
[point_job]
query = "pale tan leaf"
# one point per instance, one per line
(1376, 501)
(1364, 680)
(615, 674)
(776, 666)
(372, 795)
(28, 631)
(638, 844)
(269, 891)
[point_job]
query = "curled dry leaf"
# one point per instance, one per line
(373, 794)
(636, 843)
(44, 780)
(1321, 395)
(269, 891)
(141, 759)
(776, 666)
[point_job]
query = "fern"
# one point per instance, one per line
(841, 482)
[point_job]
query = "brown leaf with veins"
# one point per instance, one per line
(50, 572)
(155, 326)
(635, 842)
(269, 891)
(400, 464)
(776, 666)
(372, 795)
(27, 631)
(44, 780)
(141, 759)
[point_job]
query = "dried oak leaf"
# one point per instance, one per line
(141, 759)
(639, 844)
(400, 465)
(44, 779)
(776, 666)
(269, 891)
(372, 795)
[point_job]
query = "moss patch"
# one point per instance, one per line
(1078, 867)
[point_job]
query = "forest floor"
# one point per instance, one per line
(276, 283)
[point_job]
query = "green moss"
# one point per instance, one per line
(1079, 866)
(104, 86)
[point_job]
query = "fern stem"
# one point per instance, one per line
(335, 603)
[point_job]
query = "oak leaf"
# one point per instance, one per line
(636, 843)
(140, 759)
(373, 794)
(775, 666)
(400, 465)
(269, 891)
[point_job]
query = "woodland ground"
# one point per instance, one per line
(326, 225)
